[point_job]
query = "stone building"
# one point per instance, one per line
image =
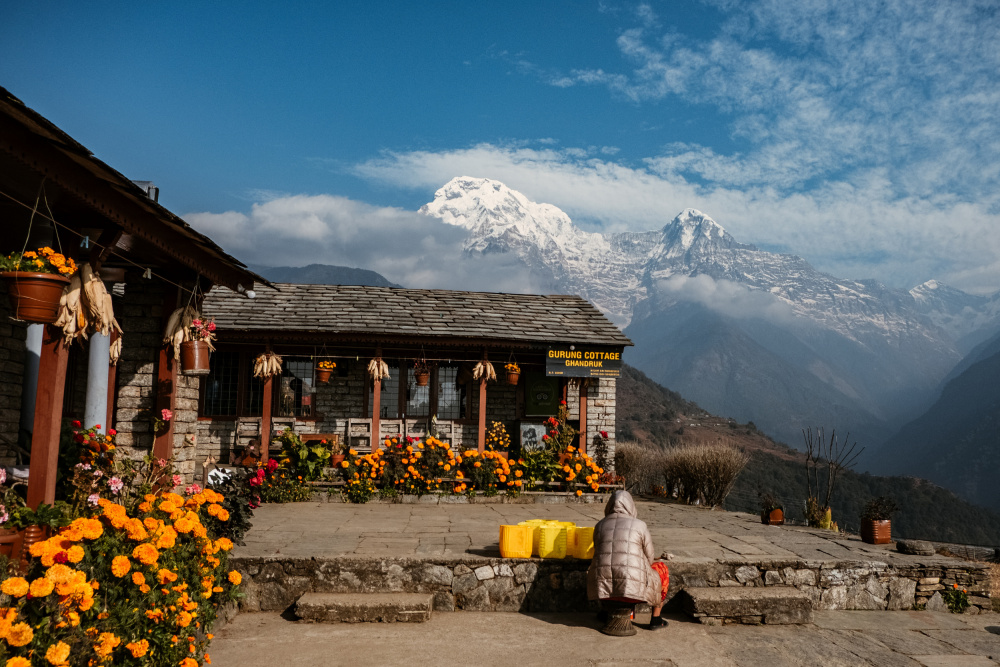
(566, 350)
(55, 193)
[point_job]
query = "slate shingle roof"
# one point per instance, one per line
(347, 309)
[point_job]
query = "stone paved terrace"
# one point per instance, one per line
(451, 550)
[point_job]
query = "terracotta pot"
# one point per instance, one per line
(775, 517)
(10, 543)
(512, 378)
(194, 357)
(336, 460)
(323, 375)
(876, 532)
(32, 534)
(422, 379)
(34, 297)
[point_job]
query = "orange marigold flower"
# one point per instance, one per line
(16, 587)
(138, 578)
(579, 492)
(235, 578)
(20, 634)
(57, 653)
(40, 588)
(18, 662)
(189, 662)
(146, 554)
(138, 649)
(120, 565)
(75, 553)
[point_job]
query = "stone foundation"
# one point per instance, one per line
(537, 585)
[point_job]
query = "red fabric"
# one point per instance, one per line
(662, 570)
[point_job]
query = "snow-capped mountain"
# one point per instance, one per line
(858, 351)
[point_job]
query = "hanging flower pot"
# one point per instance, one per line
(324, 370)
(513, 373)
(194, 357)
(512, 378)
(34, 297)
(423, 378)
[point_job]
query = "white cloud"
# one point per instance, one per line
(726, 297)
(407, 248)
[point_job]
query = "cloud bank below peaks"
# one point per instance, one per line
(410, 249)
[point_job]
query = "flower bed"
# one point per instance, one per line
(134, 578)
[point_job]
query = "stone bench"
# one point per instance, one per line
(772, 605)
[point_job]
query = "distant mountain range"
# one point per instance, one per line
(322, 274)
(753, 335)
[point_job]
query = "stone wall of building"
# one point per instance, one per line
(12, 360)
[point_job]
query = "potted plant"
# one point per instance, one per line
(876, 524)
(772, 512)
(324, 369)
(338, 450)
(35, 283)
(513, 372)
(421, 372)
(195, 350)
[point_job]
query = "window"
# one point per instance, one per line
(418, 399)
(389, 400)
(451, 397)
(296, 389)
(221, 385)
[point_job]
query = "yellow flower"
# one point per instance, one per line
(15, 587)
(120, 565)
(57, 653)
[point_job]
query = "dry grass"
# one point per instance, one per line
(704, 474)
(639, 465)
(995, 586)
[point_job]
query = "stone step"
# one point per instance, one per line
(365, 607)
(773, 605)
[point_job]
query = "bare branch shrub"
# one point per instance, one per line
(836, 457)
(641, 467)
(703, 473)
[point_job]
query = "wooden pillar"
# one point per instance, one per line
(584, 383)
(265, 420)
(482, 413)
(376, 412)
(166, 399)
(48, 417)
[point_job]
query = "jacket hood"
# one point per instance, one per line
(620, 503)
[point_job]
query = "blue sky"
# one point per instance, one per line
(860, 135)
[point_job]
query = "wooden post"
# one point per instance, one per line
(482, 413)
(48, 417)
(166, 399)
(265, 421)
(376, 413)
(112, 382)
(584, 382)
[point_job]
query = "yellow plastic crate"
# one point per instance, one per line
(552, 541)
(515, 541)
(583, 543)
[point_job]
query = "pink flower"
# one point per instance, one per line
(161, 463)
(211, 326)
(3, 475)
(93, 499)
(115, 484)
(178, 480)
(196, 323)
(272, 465)
(192, 489)
(167, 414)
(4, 516)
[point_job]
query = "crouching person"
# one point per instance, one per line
(623, 572)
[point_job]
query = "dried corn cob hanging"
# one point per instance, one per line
(267, 365)
(378, 368)
(484, 367)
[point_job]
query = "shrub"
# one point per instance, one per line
(275, 484)
(879, 509)
(240, 501)
(640, 467)
(303, 459)
(704, 473)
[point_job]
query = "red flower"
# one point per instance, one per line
(97, 427)
(562, 402)
(604, 434)
(76, 423)
(545, 437)
(111, 431)
(79, 438)
(61, 557)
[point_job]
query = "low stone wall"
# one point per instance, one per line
(525, 498)
(537, 585)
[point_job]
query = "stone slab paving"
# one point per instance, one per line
(692, 534)
(836, 638)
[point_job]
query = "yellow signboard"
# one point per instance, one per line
(582, 361)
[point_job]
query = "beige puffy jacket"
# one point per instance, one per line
(623, 552)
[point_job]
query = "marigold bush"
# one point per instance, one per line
(125, 583)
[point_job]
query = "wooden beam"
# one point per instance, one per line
(481, 438)
(166, 384)
(265, 419)
(48, 417)
(584, 382)
(112, 386)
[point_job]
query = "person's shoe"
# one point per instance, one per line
(656, 623)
